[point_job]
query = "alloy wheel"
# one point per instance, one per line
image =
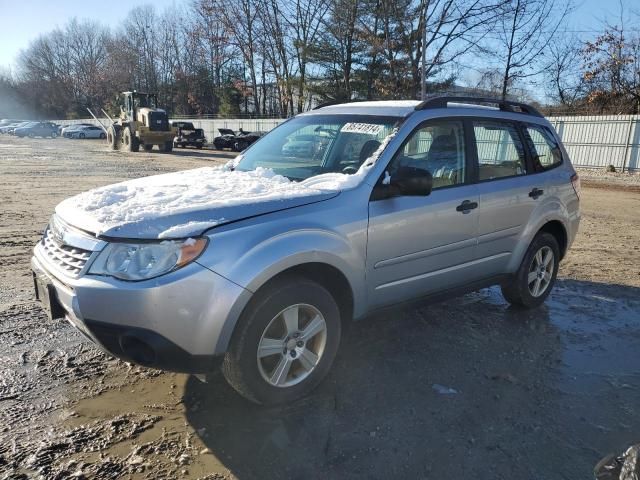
(292, 345)
(540, 271)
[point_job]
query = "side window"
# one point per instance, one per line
(437, 147)
(544, 148)
(500, 150)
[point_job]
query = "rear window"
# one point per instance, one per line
(500, 151)
(544, 148)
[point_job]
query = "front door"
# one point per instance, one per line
(420, 244)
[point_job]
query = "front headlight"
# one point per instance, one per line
(141, 261)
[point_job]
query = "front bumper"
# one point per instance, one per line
(174, 322)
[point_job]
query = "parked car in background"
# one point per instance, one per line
(8, 121)
(86, 131)
(37, 129)
(9, 127)
(235, 141)
(188, 135)
(256, 266)
(12, 128)
(66, 131)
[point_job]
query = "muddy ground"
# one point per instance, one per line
(538, 395)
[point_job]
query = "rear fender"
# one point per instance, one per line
(552, 210)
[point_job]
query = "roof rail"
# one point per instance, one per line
(330, 103)
(504, 105)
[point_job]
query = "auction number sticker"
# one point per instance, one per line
(368, 128)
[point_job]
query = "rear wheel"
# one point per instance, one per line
(81, 135)
(147, 148)
(285, 342)
(103, 136)
(166, 147)
(534, 280)
(241, 145)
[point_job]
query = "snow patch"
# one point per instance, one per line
(183, 229)
(150, 198)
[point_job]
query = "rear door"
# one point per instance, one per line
(507, 195)
(418, 245)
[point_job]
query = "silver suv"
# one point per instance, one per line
(337, 212)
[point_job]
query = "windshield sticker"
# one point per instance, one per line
(368, 128)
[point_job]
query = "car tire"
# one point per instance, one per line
(31, 135)
(275, 322)
(81, 135)
(54, 135)
(147, 148)
(103, 136)
(534, 280)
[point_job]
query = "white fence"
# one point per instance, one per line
(599, 141)
(592, 141)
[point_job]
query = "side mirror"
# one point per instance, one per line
(406, 181)
(413, 182)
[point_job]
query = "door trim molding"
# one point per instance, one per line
(449, 247)
(422, 276)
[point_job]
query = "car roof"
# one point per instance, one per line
(480, 106)
(391, 108)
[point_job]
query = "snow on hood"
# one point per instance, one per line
(186, 203)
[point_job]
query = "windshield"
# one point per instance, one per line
(310, 145)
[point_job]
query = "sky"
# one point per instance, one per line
(23, 21)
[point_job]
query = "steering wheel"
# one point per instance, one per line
(349, 169)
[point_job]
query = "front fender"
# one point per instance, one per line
(252, 266)
(288, 250)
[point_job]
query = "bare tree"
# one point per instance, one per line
(304, 19)
(240, 19)
(65, 68)
(525, 30)
(563, 75)
(612, 68)
(277, 50)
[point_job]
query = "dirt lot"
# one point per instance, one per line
(538, 395)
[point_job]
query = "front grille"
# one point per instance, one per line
(70, 259)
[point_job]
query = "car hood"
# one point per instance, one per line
(185, 204)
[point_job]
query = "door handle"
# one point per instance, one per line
(466, 206)
(535, 193)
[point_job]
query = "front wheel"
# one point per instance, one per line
(285, 342)
(130, 141)
(534, 280)
(112, 137)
